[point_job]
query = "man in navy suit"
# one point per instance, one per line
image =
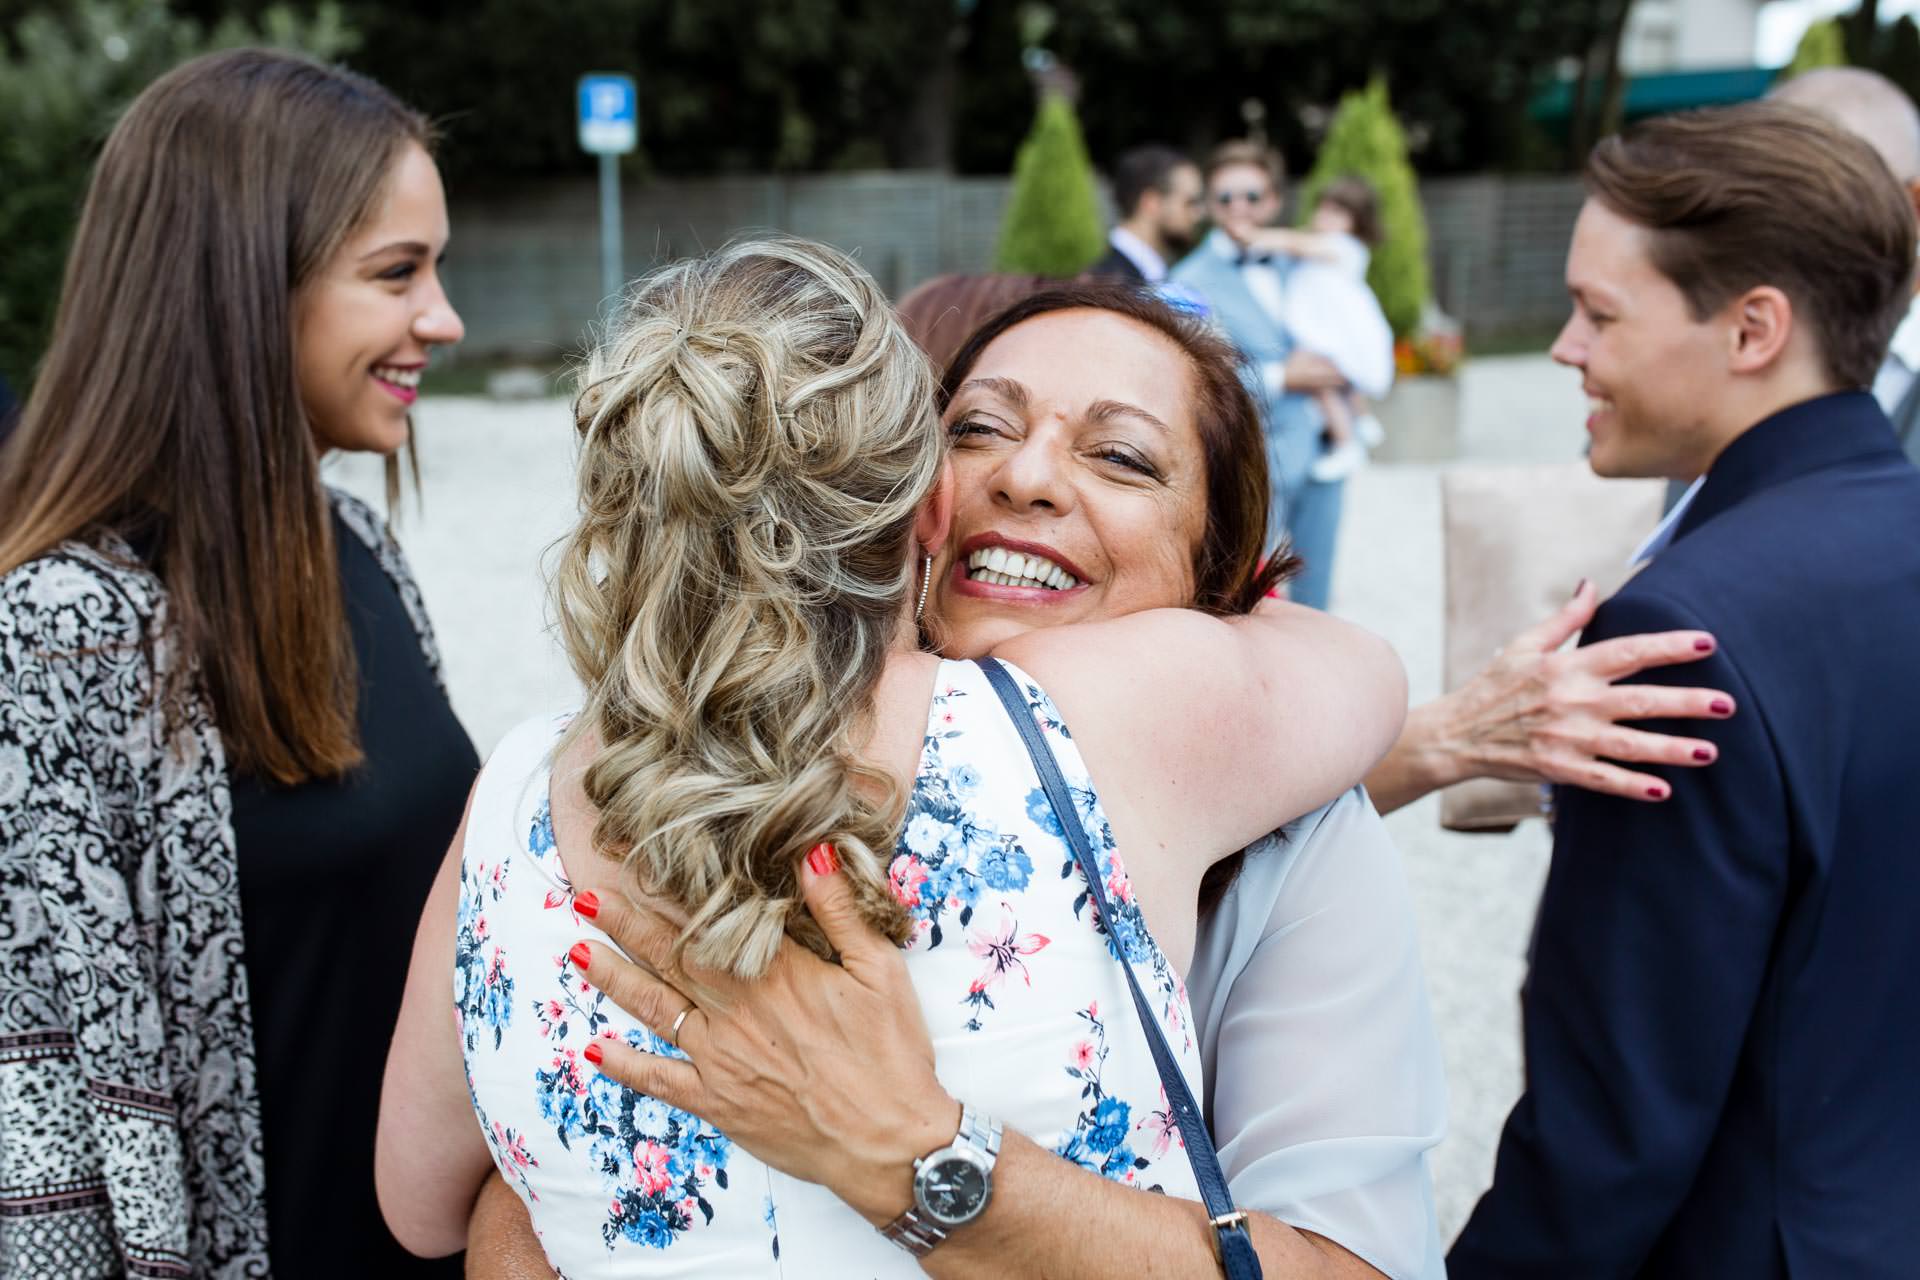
(1157, 191)
(1722, 1016)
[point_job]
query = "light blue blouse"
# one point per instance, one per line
(1324, 1085)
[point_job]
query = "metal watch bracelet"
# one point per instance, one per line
(916, 1231)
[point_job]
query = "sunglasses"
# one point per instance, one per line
(1226, 199)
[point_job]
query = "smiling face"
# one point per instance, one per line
(1242, 199)
(1080, 484)
(365, 322)
(1651, 371)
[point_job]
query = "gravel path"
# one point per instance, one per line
(497, 493)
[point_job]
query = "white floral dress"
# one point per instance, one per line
(1018, 979)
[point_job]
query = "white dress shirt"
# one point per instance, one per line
(1897, 371)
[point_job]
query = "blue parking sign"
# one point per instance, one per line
(609, 114)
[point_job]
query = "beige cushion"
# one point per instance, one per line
(1518, 541)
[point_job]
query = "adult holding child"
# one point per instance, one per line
(1244, 280)
(1072, 478)
(223, 738)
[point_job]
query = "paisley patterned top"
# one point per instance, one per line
(129, 1117)
(1018, 979)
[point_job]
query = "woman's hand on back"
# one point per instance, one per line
(824, 1071)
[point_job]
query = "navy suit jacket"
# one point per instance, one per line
(1116, 266)
(1722, 1015)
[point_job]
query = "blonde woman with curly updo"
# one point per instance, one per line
(763, 480)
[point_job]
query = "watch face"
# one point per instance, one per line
(953, 1189)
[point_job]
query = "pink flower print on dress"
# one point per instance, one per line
(1162, 1128)
(652, 1171)
(1082, 1055)
(907, 876)
(1002, 952)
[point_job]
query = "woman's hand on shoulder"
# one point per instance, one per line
(1540, 712)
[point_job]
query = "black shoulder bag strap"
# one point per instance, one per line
(1231, 1238)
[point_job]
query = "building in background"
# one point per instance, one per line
(1689, 35)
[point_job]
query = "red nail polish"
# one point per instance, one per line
(593, 1053)
(822, 859)
(581, 955)
(587, 904)
(1656, 793)
(1721, 707)
(1702, 754)
(1703, 645)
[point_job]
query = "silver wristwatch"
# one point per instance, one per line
(951, 1186)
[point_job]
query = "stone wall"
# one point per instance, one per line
(524, 268)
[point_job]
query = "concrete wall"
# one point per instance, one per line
(524, 268)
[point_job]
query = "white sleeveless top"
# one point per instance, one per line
(1018, 981)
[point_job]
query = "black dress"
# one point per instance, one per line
(333, 876)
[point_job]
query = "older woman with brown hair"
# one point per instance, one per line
(1334, 1098)
(224, 744)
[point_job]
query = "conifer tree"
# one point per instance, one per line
(1824, 44)
(1052, 226)
(1366, 140)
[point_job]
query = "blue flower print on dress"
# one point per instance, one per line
(1006, 867)
(1100, 1137)
(482, 988)
(540, 830)
(655, 1162)
(1128, 937)
(947, 853)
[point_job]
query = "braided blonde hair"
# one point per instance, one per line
(757, 432)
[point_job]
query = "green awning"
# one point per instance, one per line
(1657, 94)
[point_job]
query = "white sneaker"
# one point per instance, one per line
(1368, 431)
(1338, 463)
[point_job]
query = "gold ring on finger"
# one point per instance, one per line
(674, 1034)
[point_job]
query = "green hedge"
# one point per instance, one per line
(1824, 44)
(1052, 225)
(1366, 139)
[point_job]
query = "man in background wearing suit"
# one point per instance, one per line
(1245, 292)
(1869, 104)
(1721, 1018)
(1157, 191)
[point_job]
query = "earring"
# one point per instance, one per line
(926, 580)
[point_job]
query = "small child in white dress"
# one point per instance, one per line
(1331, 312)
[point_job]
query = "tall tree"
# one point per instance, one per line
(66, 73)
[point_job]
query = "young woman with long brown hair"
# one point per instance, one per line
(226, 757)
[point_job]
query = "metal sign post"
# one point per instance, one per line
(609, 128)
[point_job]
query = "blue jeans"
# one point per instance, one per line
(1307, 512)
